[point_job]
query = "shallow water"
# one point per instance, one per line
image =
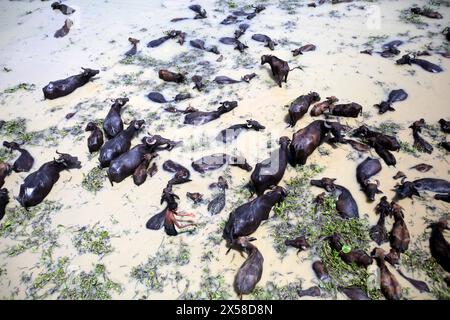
(99, 40)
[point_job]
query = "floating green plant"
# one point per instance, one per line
(93, 181)
(92, 240)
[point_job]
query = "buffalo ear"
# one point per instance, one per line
(379, 191)
(415, 192)
(150, 140)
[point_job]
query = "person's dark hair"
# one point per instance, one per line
(173, 205)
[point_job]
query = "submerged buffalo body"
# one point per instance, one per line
(244, 220)
(410, 188)
(38, 184)
(61, 88)
(346, 205)
(306, 140)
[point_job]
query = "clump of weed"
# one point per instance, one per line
(5, 155)
(298, 200)
(3, 274)
(93, 285)
(93, 240)
(317, 221)
(389, 127)
(408, 148)
(417, 259)
(20, 86)
(273, 291)
(212, 287)
(127, 79)
(290, 6)
(434, 132)
(183, 256)
(372, 40)
(30, 229)
(14, 128)
(231, 4)
(445, 3)
(93, 180)
(149, 273)
(407, 16)
(154, 273)
(58, 279)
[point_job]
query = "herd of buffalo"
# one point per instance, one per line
(113, 143)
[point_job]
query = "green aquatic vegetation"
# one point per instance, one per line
(316, 221)
(215, 238)
(408, 148)
(206, 256)
(92, 240)
(5, 155)
(149, 273)
(231, 4)
(55, 275)
(273, 291)
(323, 151)
(18, 219)
(427, 9)
(152, 116)
(434, 132)
(21, 86)
(290, 6)
(16, 130)
(39, 236)
(128, 79)
(238, 195)
(70, 285)
(407, 16)
(372, 40)
(3, 274)
(298, 200)
(93, 285)
(244, 60)
(127, 60)
(93, 181)
(14, 127)
(341, 273)
(51, 135)
(445, 3)
(30, 229)
(417, 259)
(142, 60)
(186, 59)
(389, 127)
(334, 14)
(280, 232)
(158, 269)
(279, 210)
(212, 287)
(183, 256)
(353, 232)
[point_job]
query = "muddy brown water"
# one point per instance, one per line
(99, 40)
